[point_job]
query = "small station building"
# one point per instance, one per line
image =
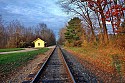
(39, 43)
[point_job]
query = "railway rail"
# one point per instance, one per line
(54, 70)
(62, 67)
(80, 73)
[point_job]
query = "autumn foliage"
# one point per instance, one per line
(107, 59)
(114, 14)
(105, 63)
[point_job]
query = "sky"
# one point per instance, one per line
(32, 12)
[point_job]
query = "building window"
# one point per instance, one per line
(38, 44)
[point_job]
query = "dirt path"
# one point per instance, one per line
(26, 50)
(29, 69)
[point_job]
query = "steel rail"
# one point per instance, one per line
(37, 76)
(67, 66)
(41, 69)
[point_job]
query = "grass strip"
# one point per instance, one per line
(9, 62)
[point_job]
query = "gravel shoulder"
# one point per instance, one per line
(80, 73)
(31, 68)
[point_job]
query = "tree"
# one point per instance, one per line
(80, 8)
(98, 6)
(2, 33)
(46, 34)
(17, 35)
(61, 39)
(115, 14)
(74, 32)
(14, 31)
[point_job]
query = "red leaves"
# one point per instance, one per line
(91, 4)
(114, 13)
(97, 5)
(115, 10)
(116, 6)
(103, 19)
(108, 12)
(123, 8)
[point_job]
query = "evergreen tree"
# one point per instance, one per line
(74, 31)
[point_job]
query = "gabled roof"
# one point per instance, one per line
(37, 39)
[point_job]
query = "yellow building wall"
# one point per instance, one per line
(39, 43)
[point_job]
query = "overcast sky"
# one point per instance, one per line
(32, 12)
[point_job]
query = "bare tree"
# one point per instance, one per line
(2, 33)
(61, 39)
(82, 9)
(48, 35)
(15, 34)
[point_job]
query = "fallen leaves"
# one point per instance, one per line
(100, 62)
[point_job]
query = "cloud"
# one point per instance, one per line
(35, 7)
(23, 10)
(31, 12)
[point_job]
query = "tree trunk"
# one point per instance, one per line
(104, 28)
(93, 37)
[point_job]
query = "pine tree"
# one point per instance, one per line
(74, 31)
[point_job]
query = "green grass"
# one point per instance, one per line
(9, 62)
(11, 49)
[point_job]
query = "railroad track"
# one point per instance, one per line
(54, 70)
(79, 72)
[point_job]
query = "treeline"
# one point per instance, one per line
(14, 34)
(94, 15)
(73, 34)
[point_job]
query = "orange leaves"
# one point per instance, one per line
(100, 61)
